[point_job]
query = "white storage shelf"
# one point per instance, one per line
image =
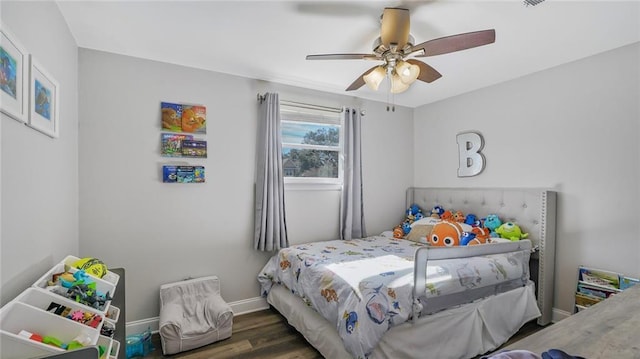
(106, 343)
(102, 287)
(41, 299)
(113, 314)
(115, 349)
(28, 312)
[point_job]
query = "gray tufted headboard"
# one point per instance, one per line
(531, 208)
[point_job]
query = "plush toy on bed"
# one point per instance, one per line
(467, 238)
(493, 222)
(447, 215)
(511, 231)
(446, 234)
(478, 235)
(437, 211)
(398, 233)
(470, 219)
(458, 216)
(406, 228)
(413, 210)
(413, 213)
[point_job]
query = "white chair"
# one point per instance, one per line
(193, 314)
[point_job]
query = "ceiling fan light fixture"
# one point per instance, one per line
(407, 72)
(375, 77)
(397, 85)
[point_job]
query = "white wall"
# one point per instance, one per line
(573, 129)
(166, 232)
(39, 174)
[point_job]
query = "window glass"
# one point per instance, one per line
(311, 146)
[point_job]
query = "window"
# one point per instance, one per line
(311, 145)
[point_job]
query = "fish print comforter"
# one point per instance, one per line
(365, 285)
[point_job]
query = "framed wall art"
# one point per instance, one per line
(44, 99)
(14, 66)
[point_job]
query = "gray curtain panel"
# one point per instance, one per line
(270, 223)
(351, 206)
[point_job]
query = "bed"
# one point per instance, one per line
(379, 297)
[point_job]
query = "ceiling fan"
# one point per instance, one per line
(395, 45)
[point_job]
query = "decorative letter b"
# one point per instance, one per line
(471, 160)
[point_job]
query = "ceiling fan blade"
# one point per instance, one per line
(359, 82)
(343, 57)
(395, 27)
(445, 45)
(427, 73)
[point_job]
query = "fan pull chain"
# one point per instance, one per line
(393, 98)
(393, 102)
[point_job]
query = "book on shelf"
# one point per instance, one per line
(595, 291)
(626, 282)
(194, 148)
(598, 277)
(172, 144)
(596, 285)
(587, 300)
(183, 174)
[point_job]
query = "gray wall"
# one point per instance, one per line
(574, 129)
(166, 232)
(39, 174)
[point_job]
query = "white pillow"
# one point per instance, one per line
(426, 221)
(465, 227)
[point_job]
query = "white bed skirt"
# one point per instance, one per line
(462, 332)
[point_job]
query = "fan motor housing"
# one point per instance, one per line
(380, 49)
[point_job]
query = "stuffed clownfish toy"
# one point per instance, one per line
(482, 234)
(398, 233)
(446, 234)
(478, 235)
(447, 215)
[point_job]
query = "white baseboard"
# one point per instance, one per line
(557, 315)
(250, 305)
(240, 307)
(139, 326)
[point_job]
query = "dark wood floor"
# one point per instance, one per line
(265, 334)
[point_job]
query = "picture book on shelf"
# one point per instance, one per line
(194, 148)
(599, 278)
(183, 118)
(194, 119)
(172, 144)
(183, 174)
(626, 282)
(595, 291)
(171, 116)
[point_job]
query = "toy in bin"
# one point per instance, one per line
(139, 345)
(78, 287)
(92, 266)
(78, 342)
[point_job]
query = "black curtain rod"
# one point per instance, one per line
(261, 98)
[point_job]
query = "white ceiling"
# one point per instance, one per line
(269, 40)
